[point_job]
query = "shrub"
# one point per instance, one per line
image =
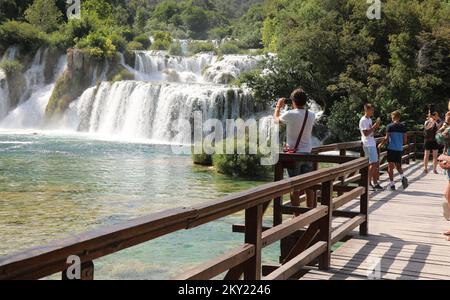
(198, 47)
(229, 48)
(79, 28)
(143, 40)
(241, 165)
(162, 40)
(133, 45)
(23, 34)
(119, 41)
(175, 49)
(202, 159)
(60, 40)
(11, 67)
(98, 45)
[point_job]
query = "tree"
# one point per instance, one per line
(44, 14)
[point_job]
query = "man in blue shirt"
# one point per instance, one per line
(396, 137)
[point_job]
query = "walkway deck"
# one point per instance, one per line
(406, 235)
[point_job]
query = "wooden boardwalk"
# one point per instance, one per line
(405, 235)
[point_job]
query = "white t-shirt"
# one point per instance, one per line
(294, 121)
(366, 124)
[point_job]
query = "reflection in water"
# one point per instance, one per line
(52, 186)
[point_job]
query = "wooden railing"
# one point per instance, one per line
(306, 239)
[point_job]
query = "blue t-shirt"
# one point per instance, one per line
(396, 133)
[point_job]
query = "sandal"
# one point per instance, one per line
(447, 233)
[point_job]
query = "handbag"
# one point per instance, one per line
(444, 161)
(290, 163)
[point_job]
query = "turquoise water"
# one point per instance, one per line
(53, 185)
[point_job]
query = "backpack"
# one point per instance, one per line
(430, 130)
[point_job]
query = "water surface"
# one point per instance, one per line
(53, 185)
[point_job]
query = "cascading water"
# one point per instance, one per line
(168, 91)
(153, 110)
(29, 113)
(4, 98)
(203, 67)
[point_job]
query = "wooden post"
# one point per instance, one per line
(364, 201)
(253, 233)
(86, 269)
(325, 224)
(278, 202)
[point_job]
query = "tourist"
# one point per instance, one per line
(299, 125)
(396, 137)
(444, 133)
(431, 146)
(368, 130)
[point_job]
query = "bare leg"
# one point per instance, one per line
(426, 157)
(447, 197)
(399, 168)
(435, 161)
(376, 172)
(391, 168)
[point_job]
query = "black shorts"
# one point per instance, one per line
(431, 145)
(394, 156)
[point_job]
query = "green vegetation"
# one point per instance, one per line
(197, 47)
(162, 40)
(241, 165)
(202, 159)
(11, 67)
(44, 14)
(344, 60)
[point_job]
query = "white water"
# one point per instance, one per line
(155, 111)
(4, 95)
(203, 67)
(30, 111)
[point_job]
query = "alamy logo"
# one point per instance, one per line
(74, 9)
(374, 10)
(73, 272)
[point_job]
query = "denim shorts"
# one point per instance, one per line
(372, 153)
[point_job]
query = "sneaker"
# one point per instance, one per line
(405, 182)
(372, 187)
(446, 210)
(378, 187)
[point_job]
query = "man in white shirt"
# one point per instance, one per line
(368, 129)
(294, 120)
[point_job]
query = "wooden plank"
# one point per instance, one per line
(280, 231)
(347, 197)
(348, 226)
(253, 233)
(294, 265)
(325, 225)
(220, 264)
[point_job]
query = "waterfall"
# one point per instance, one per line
(203, 67)
(29, 113)
(4, 95)
(10, 53)
(133, 109)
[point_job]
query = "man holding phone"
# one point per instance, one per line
(368, 130)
